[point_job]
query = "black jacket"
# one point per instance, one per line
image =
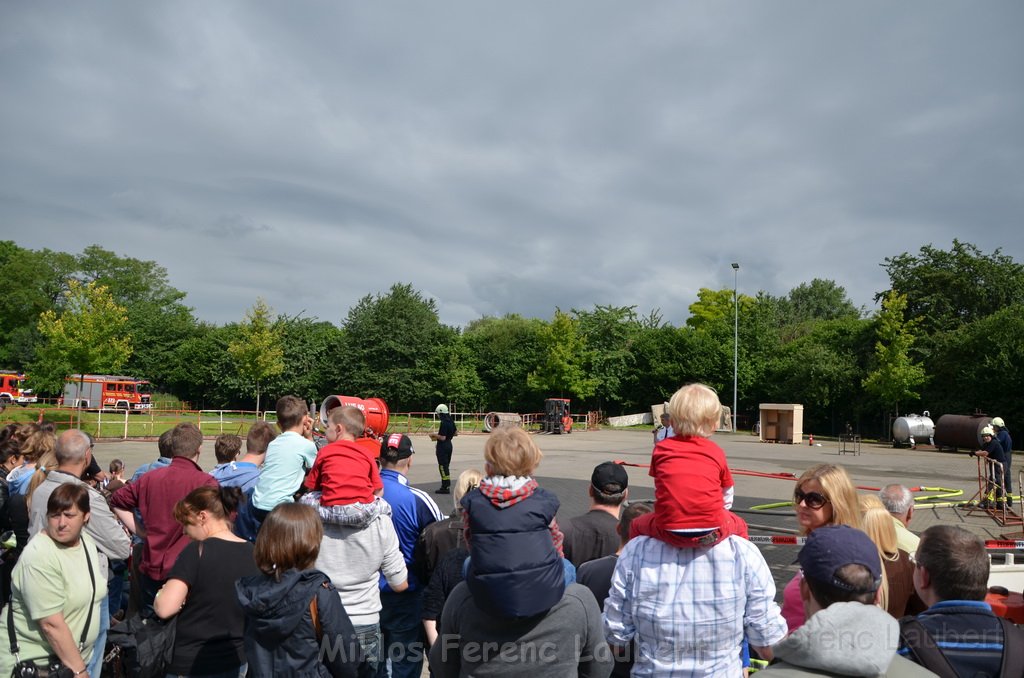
(279, 636)
(514, 569)
(14, 516)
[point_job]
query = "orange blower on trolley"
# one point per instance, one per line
(374, 409)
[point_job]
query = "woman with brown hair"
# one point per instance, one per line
(200, 587)
(54, 613)
(824, 495)
(295, 623)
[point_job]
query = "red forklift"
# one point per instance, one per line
(557, 418)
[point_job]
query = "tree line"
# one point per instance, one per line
(946, 338)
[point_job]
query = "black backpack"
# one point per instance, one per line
(927, 653)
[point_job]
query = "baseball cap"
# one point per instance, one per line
(609, 477)
(396, 446)
(832, 547)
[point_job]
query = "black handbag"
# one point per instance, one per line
(145, 645)
(54, 667)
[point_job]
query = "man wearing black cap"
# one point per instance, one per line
(593, 535)
(846, 632)
(411, 511)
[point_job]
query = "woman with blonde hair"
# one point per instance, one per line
(898, 595)
(37, 447)
(824, 495)
(445, 535)
(445, 550)
(46, 463)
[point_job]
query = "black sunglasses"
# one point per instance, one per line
(813, 500)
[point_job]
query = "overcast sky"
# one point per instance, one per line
(510, 157)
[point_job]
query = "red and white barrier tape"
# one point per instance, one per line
(778, 541)
(994, 544)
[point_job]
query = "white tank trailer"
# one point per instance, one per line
(907, 431)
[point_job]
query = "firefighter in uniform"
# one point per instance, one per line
(443, 438)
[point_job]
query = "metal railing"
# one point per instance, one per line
(122, 424)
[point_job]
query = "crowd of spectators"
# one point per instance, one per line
(287, 559)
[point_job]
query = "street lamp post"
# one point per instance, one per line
(735, 339)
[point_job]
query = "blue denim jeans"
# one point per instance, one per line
(115, 586)
(148, 588)
(404, 640)
(100, 646)
(368, 636)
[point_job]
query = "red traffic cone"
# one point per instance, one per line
(810, 439)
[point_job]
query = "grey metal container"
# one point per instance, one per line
(918, 427)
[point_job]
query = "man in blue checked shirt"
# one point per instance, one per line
(688, 609)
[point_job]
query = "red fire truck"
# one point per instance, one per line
(12, 389)
(106, 392)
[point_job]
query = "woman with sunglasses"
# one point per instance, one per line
(824, 495)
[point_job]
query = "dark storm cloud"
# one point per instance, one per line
(510, 158)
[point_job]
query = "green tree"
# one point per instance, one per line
(665, 358)
(895, 376)
(454, 366)
(158, 320)
(817, 300)
(505, 350)
(977, 367)
(711, 306)
(87, 336)
(202, 372)
(562, 369)
(947, 289)
(34, 282)
(311, 351)
(257, 353)
(390, 340)
(610, 333)
(822, 369)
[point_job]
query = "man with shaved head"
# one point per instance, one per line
(74, 453)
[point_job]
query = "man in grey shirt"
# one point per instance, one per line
(355, 558)
(568, 640)
(74, 452)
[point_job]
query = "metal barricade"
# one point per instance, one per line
(849, 444)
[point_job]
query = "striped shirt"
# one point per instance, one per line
(689, 609)
(412, 510)
(967, 633)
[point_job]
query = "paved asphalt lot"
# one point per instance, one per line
(569, 460)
